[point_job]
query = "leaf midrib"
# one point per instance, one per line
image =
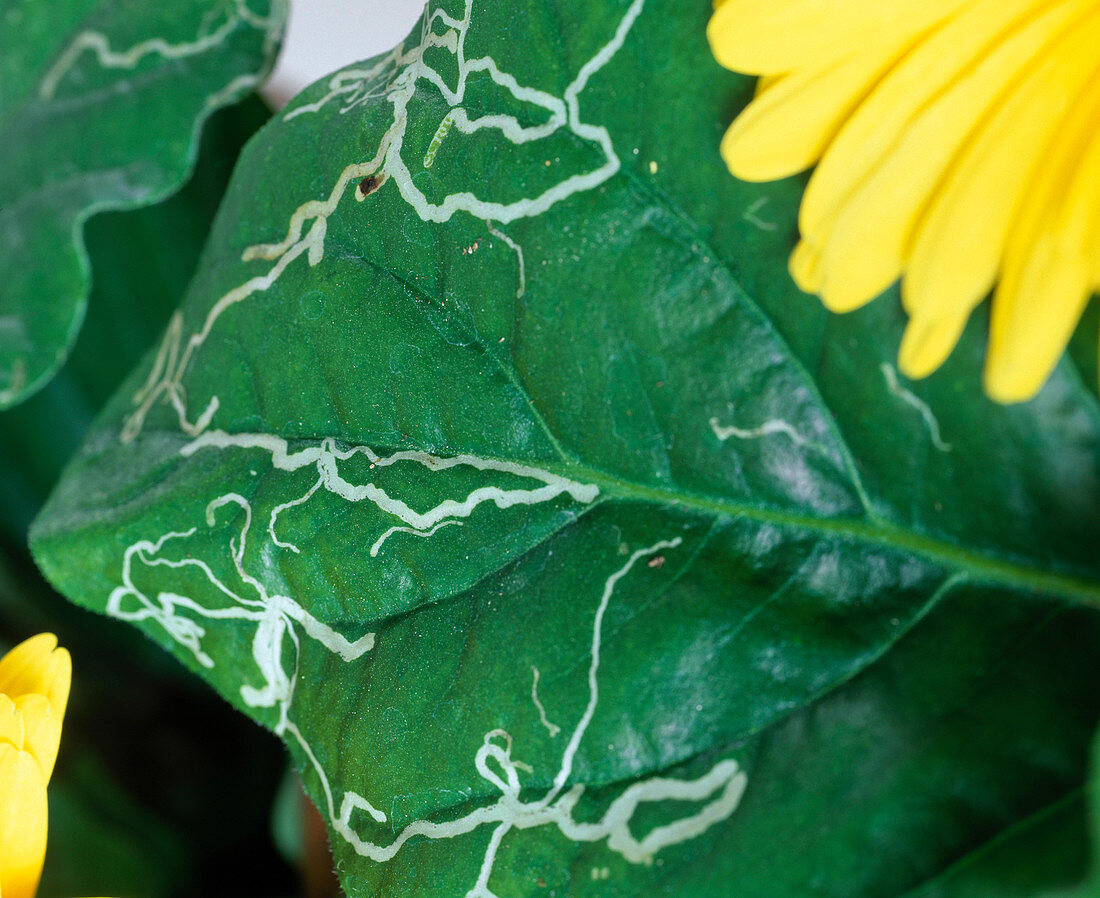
(981, 568)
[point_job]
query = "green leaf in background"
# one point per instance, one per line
(1036, 857)
(100, 108)
(494, 462)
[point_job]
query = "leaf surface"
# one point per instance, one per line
(100, 108)
(494, 462)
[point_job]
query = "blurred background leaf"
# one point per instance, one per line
(102, 102)
(1040, 857)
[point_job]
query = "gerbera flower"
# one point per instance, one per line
(957, 147)
(34, 689)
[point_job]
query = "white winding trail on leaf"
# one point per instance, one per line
(718, 791)
(521, 287)
(276, 648)
(552, 728)
(893, 384)
(774, 427)
(274, 615)
(99, 44)
(750, 215)
(326, 457)
(397, 78)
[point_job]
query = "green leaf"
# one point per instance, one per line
(494, 462)
(100, 108)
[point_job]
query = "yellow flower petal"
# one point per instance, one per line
(927, 342)
(935, 125)
(38, 666)
(767, 38)
(11, 724)
(805, 268)
(1029, 335)
(960, 241)
(788, 126)
(863, 201)
(23, 820)
(971, 57)
(1050, 262)
(42, 728)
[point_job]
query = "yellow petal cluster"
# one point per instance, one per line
(957, 145)
(34, 689)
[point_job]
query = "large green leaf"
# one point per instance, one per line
(494, 462)
(100, 107)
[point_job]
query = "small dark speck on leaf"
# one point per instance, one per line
(368, 185)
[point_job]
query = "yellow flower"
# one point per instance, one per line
(957, 146)
(34, 688)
